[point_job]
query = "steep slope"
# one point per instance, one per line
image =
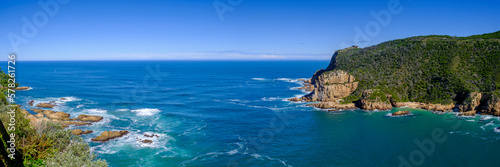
(427, 70)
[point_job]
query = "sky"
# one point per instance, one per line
(47, 30)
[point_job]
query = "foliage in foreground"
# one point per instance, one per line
(45, 143)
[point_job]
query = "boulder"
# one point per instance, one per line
(336, 105)
(37, 110)
(374, 100)
(58, 115)
(467, 113)
(81, 132)
(77, 132)
(73, 123)
(108, 135)
(39, 115)
(22, 88)
(147, 141)
(62, 98)
(89, 118)
(401, 113)
(45, 105)
(152, 135)
(297, 99)
(31, 102)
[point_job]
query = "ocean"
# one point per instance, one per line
(235, 113)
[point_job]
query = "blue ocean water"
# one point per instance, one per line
(232, 113)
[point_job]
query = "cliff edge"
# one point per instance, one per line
(440, 73)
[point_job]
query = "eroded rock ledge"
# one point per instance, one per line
(329, 87)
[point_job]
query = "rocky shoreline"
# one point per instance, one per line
(329, 87)
(46, 115)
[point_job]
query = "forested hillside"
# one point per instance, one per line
(428, 69)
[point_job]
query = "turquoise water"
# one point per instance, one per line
(236, 114)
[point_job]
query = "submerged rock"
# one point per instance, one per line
(81, 132)
(332, 85)
(335, 105)
(22, 88)
(108, 135)
(467, 113)
(401, 113)
(152, 135)
(31, 102)
(46, 105)
(147, 141)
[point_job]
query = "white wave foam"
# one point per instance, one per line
(486, 117)
(269, 98)
(95, 110)
(79, 106)
(259, 79)
(69, 99)
(488, 124)
(497, 130)
(262, 157)
(146, 111)
(123, 109)
(287, 79)
(390, 115)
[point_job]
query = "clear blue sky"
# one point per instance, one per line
(254, 29)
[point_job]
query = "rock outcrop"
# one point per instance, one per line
(471, 102)
(46, 105)
(380, 82)
(332, 85)
(492, 105)
(374, 100)
(145, 141)
(108, 135)
(89, 118)
(151, 135)
(425, 106)
(81, 132)
(22, 88)
(61, 117)
(400, 113)
(37, 110)
(333, 105)
(467, 113)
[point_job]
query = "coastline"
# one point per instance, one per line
(337, 104)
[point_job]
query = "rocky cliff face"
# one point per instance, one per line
(492, 104)
(374, 100)
(332, 85)
(337, 83)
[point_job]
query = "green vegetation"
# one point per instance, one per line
(429, 69)
(43, 143)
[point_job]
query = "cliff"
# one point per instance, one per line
(440, 73)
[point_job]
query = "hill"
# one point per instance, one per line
(433, 69)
